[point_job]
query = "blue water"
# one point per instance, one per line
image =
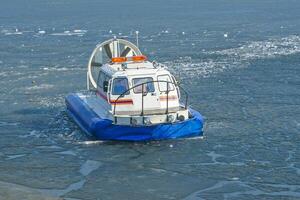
(239, 60)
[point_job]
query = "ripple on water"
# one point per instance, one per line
(10, 157)
(33, 133)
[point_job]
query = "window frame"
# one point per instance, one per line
(170, 80)
(133, 85)
(100, 83)
(112, 86)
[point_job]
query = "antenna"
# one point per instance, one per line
(137, 38)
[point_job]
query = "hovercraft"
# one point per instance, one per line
(130, 98)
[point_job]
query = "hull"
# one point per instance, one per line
(104, 129)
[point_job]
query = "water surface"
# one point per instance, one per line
(239, 60)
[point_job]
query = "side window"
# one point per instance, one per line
(163, 84)
(103, 80)
(120, 85)
(149, 87)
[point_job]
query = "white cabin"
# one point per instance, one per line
(130, 89)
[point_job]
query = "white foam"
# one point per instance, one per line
(92, 142)
(58, 68)
(49, 102)
(55, 69)
(76, 32)
(195, 138)
(38, 87)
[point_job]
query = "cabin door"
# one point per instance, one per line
(145, 94)
(168, 92)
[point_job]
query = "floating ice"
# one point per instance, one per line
(237, 57)
(264, 49)
(89, 166)
(214, 156)
(71, 153)
(79, 31)
(15, 32)
(76, 32)
(60, 192)
(41, 32)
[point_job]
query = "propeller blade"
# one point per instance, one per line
(108, 51)
(125, 52)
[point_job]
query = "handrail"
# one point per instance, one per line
(142, 84)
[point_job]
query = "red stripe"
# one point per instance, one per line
(101, 95)
(121, 101)
(172, 98)
(113, 101)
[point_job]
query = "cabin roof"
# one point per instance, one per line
(131, 69)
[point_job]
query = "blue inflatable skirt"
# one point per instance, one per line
(104, 129)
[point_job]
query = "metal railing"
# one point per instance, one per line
(144, 94)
